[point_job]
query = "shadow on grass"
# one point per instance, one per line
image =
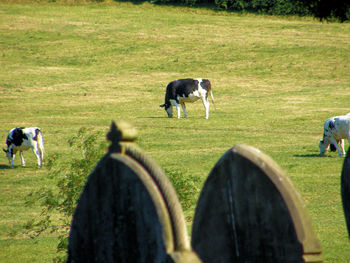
(313, 155)
(7, 167)
(208, 6)
(152, 117)
(3, 167)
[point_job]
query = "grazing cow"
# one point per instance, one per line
(21, 139)
(187, 90)
(336, 129)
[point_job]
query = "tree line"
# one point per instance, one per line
(322, 9)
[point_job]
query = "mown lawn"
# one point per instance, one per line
(275, 81)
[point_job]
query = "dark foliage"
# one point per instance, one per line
(321, 9)
(272, 7)
(328, 9)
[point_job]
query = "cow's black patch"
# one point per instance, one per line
(16, 137)
(205, 84)
(331, 125)
(181, 87)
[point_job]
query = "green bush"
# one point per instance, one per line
(58, 203)
(186, 187)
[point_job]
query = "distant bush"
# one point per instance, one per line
(322, 9)
(273, 7)
(328, 9)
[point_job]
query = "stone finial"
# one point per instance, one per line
(120, 131)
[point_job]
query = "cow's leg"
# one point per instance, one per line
(13, 156)
(206, 106)
(178, 109)
(176, 104)
(341, 143)
(13, 161)
(184, 109)
(37, 155)
(22, 158)
(335, 143)
(41, 155)
(41, 148)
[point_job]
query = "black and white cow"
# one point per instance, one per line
(21, 139)
(187, 90)
(335, 130)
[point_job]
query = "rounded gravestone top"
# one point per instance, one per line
(248, 211)
(120, 216)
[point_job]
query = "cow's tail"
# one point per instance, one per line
(212, 98)
(39, 138)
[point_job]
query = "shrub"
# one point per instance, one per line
(58, 203)
(186, 187)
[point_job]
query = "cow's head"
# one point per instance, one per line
(324, 146)
(9, 154)
(168, 109)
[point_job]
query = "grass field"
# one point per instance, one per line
(275, 81)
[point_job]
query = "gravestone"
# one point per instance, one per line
(249, 211)
(128, 210)
(345, 189)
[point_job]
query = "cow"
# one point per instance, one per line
(187, 90)
(21, 139)
(335, 130)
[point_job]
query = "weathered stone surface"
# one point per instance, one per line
(345, 189)
(248, 211)
(116, 219)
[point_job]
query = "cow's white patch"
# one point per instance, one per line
(335, 130)
(201, 91)
(191, 97)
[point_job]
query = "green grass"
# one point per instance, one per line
(275, 81)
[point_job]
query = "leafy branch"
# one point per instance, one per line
(58, 202)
